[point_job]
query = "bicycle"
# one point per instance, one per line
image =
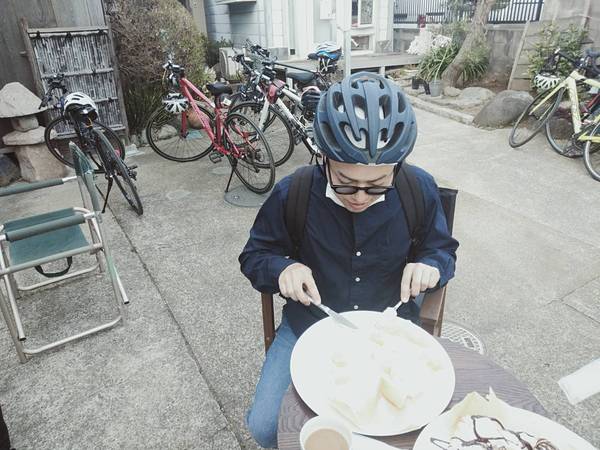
(77, 120)
(563, 128)
(186, 128)
(61, 129)
(543, 107)
(284, 115)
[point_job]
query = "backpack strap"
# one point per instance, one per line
(296, 208)
(413, 204)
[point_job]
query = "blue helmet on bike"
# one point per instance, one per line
(365, 119)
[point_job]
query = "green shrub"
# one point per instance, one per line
(438, 59)
(145, 31)
(477, 62)
(552, 37)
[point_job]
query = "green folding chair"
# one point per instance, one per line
(31, 242)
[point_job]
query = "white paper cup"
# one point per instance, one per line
(324, 423)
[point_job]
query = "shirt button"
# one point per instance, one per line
(357, 279)
(358, 253)
(355, 306)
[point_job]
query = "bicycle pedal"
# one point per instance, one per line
(133, 166)
(215, 157)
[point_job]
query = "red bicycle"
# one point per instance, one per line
(188, 125)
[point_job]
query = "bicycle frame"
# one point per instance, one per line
(570, 83)
(220, 130)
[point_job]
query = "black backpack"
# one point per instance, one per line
(409, 191)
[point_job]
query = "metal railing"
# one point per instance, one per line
(437, 11)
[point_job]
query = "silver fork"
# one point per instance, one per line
(394, 309)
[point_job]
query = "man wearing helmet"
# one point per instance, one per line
(356, 240)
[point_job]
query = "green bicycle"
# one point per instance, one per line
(550, 109)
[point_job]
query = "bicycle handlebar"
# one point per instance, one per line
(55, 82)
(587, 61)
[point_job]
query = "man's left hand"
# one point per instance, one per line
(416, 278)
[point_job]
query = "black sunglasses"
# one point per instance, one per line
(346, 189)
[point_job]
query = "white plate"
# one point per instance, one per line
(519, 420)
(311, 362)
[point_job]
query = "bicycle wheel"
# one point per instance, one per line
(242, 134)
(121, 174)
(560, 131)
(276, 129)
(591, 153)
(534, 117)
(60, 132)
(179, 137)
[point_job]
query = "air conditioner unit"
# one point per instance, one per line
(229, 67)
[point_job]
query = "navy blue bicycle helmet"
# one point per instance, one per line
(365, 119)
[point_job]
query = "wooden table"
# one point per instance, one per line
(473, 373)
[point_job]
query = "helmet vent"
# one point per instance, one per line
(401, 103)
(338, 102)
(362, 143)
(397, 131)
(360, 107)
(384, 107)
(383, 138)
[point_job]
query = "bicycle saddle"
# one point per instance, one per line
(301, 77)
(218, 88)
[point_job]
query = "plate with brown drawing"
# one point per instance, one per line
(489, 423)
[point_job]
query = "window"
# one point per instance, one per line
(361, 42)
(362, 12)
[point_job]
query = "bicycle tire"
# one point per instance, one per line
(591, 155)
(120, 175)
(560, 131)
(544, 114)
(277, 130)
(248, 159)
(59, 146)
(156, 122)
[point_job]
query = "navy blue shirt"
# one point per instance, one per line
(356, 259)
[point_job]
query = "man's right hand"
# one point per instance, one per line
(296, 282)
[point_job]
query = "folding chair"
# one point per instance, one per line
(432, 308)
(33, 241)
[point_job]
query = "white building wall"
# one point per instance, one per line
(217, 20)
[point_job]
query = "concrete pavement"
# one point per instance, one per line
(181, 373)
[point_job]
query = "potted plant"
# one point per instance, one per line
(433, 65)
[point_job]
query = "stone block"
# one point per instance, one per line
(450, 91)
(16, 101)
(24, 123)
(37, 163)
(31, 137)
(503, 109)
(9, 171)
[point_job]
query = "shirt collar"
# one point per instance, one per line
(330, 193)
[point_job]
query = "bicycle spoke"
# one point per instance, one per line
(250, 154)
(276, 129)
(165, 135)
(534, 117)
(591, 156)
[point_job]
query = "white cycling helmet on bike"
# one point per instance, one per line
(175, 103)
(545, 81)
(329, 47)
(80, 102)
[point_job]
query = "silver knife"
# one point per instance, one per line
(335, 316)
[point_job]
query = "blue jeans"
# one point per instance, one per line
(274, 381)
